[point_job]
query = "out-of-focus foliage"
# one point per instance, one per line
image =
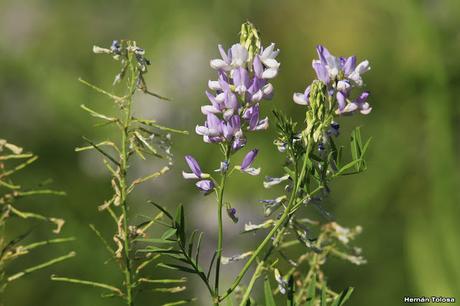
(407, 202)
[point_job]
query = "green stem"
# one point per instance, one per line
(278, 224)
(220, 238)
(127, 271)
(252, 282)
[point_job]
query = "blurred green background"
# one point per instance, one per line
(407, 202)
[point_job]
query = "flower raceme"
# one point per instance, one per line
(340, 75)
(241, 76)
(243, 81)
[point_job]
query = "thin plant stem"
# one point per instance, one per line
(252, 282)
(127, 269)
(220, 201)
(40, 266)
(87, 283)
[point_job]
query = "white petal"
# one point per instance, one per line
(209, 109)
(252, 171)
(257, 96)
(214, 85)
(275, 181)
(262, 125)
(343, 86)
(267, 52)
(219, 64)
(365, 109)
(355, 77)
(351, 107)
(363, 67)
(220, 98)
(267, 89)
(99, 50)
(201, 130)
(189, 176)
(271, 63)
(239, 55)
(275, 53)
(270, 73)
(299, 98)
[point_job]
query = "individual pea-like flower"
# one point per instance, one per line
(252, 116)
(204, 184)
(231, 212)
(273, 204)
(282, 283)
(302, 98)
(334, 129)
(270, 181)
(361, 103)
(227, 260)
(247, 163)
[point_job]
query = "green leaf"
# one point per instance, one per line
(198, 246)
(155, 240)
(152, 249)
(354, 145)
(176, 267)
(162, 209)
(311, 292)
(343, 297)
(269, 299)
(169, 233)
(190, 244)
(210, 264)
(290, 291)
(179, 222)
(348, 166)
(163, 281)
(181, 302)
(323, 295)
(176, 289)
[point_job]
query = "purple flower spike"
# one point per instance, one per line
(193, 165)
(206, 186)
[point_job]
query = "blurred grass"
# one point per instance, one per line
(407, 201)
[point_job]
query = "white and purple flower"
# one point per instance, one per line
(341, 75)
(204, 184)
(247, 163)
